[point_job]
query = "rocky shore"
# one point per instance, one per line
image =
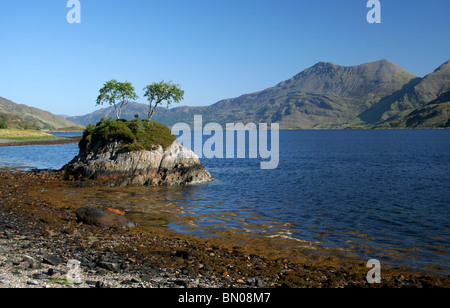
(37, 240)
(32, 257)
(111, 165)
(66, 140)
(38, 237)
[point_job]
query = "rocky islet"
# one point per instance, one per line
(111, 165)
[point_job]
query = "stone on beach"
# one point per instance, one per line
(101, 218)
(32, 262)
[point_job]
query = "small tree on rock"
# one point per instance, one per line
(158, 92)
(117, 94)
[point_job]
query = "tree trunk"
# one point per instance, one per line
(150, 115)
(119, 114)
(115, 109)
(150, 112)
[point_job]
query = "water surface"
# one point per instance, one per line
(385, 193)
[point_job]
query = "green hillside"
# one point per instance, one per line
(36, 117)
(435, 114)
(415, 94)
(14, 122)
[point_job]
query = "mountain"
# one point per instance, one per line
(162, 115)
(325, 95)
(14, 122)
(433, 115)
(36, 117)
(415, 94)
(128, 113)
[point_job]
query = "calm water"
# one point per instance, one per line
(39, 156)
(387, 191)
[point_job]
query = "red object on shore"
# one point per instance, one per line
(116, 211)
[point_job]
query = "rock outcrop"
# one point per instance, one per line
(109, 164)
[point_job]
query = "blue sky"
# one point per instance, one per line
(215, 49)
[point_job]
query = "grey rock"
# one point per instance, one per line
(110, 266)
(32, 282)
(52, 260)
(112, 166)
(38, 276)
(34, 263)
(101, 285)
(8, 234)
(91, 282)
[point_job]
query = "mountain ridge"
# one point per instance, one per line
(325, 95)
(38, 118)
(435, 114)
(414, 95)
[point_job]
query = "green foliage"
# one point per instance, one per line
(116, 94)
(162, 91)
(137, 135)
(3, 122)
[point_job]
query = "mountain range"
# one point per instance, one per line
(326, 95)
(23, 116)
(379, 94)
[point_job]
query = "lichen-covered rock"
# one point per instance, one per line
(111, 165)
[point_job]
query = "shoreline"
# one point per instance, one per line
(46, 229)
(63, 140)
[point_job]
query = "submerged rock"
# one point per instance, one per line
(112, 165)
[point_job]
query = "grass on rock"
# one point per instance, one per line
(137, 135)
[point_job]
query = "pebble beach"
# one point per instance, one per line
(38, 238)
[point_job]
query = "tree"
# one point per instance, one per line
(117, 94)
(3, 122)
(162, 91)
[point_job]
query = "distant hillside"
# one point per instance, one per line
(36, 117)
(415, 94)
(435, 114)
(162, 115)
(128, 113)
(325, 95)
(14, 122)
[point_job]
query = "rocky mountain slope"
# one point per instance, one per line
(14, 122)
(325, 95)
(413, 95)
(435, 114)
(36, 117)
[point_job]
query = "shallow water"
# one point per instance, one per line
(385, 193)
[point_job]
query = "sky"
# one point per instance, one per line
(215, 49)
